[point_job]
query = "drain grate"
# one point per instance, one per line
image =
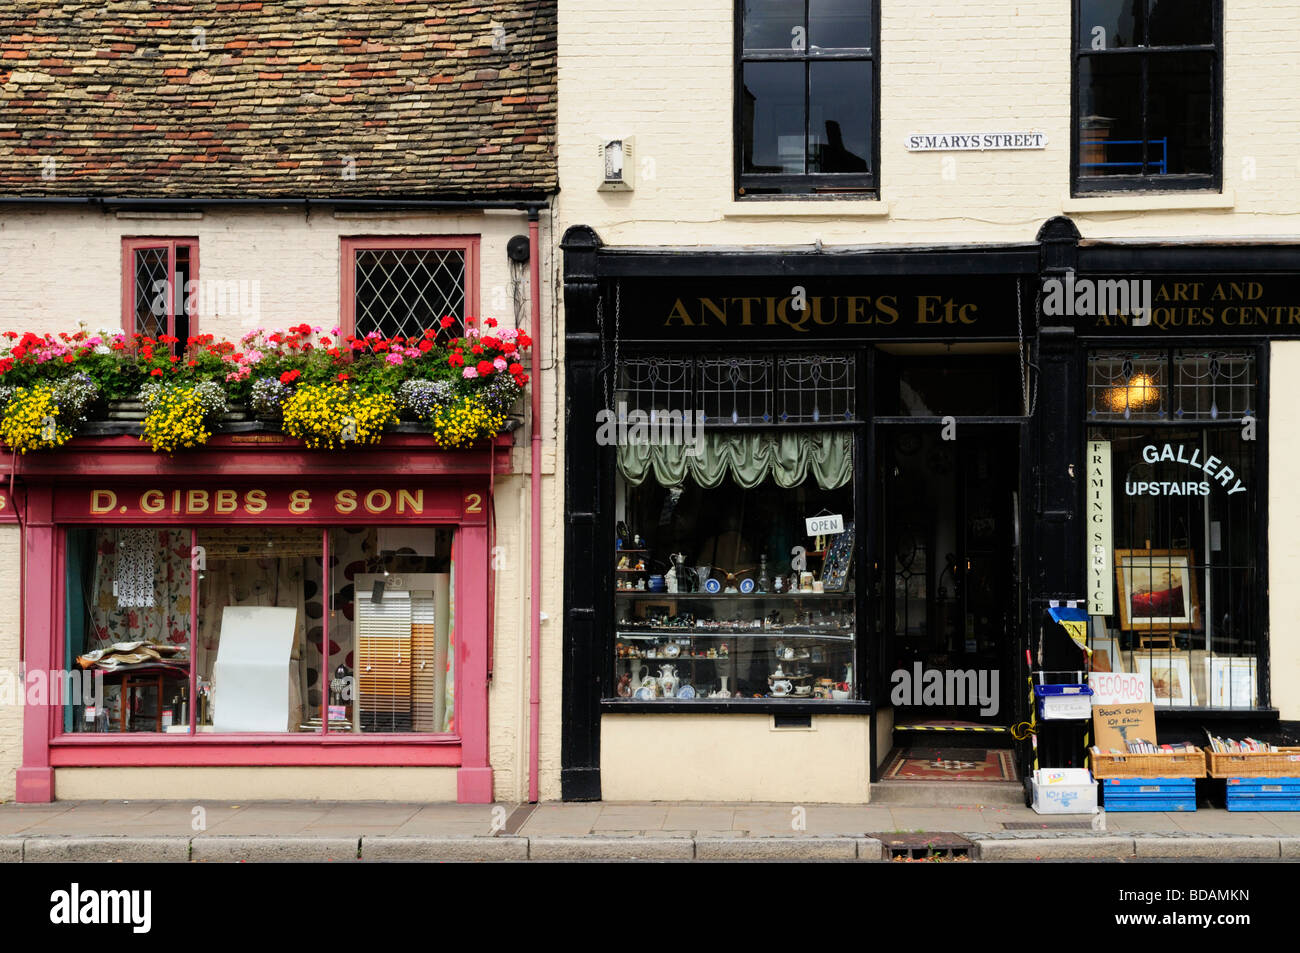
(931, 845)
(1047, 825)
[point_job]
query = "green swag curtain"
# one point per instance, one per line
(747, 458)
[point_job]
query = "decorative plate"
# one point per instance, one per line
(643, 695)
(746, 586)
(686, 691)
(672, 650)
(713, 587)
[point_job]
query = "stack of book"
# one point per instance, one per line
(1218, 744)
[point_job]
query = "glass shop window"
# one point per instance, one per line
(261, 660)
(128, 629)
(720, 591)
(1184, 515)
(391, 630)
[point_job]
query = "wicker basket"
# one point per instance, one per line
(1282, 763)
(1154, 764)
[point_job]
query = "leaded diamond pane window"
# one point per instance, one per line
(150, 290)
(400, 292)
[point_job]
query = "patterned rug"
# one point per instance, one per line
(951, 764)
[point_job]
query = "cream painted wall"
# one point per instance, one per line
(63, 266)
(664, 74)
(1284, 527)
(734, 758)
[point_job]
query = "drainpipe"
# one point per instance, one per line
(535, 514)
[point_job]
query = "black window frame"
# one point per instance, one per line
(1082, 185)
(820, 185)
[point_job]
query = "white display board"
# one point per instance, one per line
(251, 676)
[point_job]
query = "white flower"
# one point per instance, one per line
(102, 349)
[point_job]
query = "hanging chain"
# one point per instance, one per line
(1028, 397)
(618, 329)
(607, 372)
(1020, 344)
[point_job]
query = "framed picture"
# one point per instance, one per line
(1170, 677)
(1231, 681)
(1156, 589)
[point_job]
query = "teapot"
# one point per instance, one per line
(781, 686)
(668, 681)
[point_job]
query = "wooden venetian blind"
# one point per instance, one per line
(384, 662)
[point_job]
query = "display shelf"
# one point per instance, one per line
(731, 596)
(838, 636)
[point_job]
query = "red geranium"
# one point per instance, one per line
(485, 368)
(448, 321)
(288, 377)
(456, 360)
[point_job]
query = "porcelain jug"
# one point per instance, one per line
(668, 681)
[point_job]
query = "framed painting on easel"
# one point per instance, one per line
(1156, 589)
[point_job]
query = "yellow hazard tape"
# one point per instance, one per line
(992, 728)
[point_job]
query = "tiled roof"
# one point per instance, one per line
(301, 98)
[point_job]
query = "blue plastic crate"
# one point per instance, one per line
(1150, 794)
(1263, 794)
(1285, 786)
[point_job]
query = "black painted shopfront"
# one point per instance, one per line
(945, 407)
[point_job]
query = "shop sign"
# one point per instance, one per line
(324, 504)
(1181, 304)
(1101, 575)
(975, 141)
(1211, 466)
(7, 514)
(1119, 688)
(810, 309)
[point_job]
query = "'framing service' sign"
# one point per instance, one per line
(1101, 570)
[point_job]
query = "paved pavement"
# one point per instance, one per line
(316, 830)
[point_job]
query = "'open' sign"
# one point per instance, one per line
(825, 525)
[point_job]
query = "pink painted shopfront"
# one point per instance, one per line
(252, 603)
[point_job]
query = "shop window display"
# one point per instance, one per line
(1182, 520)
(262, 660)
(720, 592)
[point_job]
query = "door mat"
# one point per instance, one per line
(950, 764)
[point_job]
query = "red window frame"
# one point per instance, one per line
(349, 246)
(129, 247)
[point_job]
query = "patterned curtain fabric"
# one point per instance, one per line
(788, 457)
(155, 605)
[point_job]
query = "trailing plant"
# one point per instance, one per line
(179, 415)
(31, 419)
(335, 415)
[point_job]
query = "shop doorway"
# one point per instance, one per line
(949, 579)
